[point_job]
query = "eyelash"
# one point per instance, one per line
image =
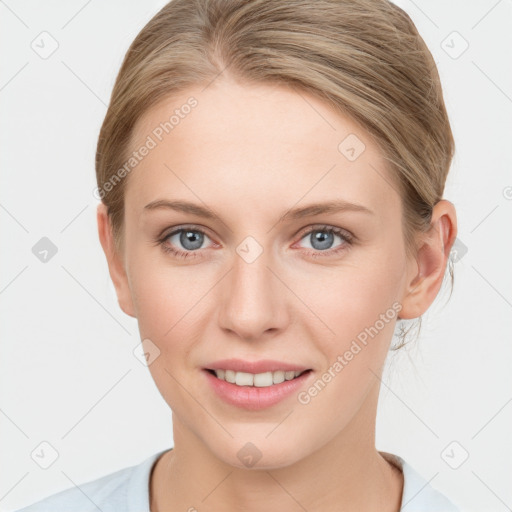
(347, 238)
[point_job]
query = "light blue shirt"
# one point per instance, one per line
(127, 490)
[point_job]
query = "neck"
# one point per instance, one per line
(347, 473)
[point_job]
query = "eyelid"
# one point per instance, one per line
(182, 227)
(347, 237)
(302, 232)
(327, 227)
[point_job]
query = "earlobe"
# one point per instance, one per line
(427, 273)
(115, 264)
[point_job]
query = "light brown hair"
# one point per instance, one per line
(364, 58)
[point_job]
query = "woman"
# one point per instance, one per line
(271, 177)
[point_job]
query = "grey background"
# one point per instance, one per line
(68, 373)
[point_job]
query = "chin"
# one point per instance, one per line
(258, 455)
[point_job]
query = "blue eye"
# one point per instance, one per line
(321, 239)
(191, 239)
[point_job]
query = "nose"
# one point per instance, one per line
(253, 302)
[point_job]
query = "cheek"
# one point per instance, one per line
(165, 295)
(170, 310)
(157, 304)
(360, 307)
(354, 311)
(173, 306)
(351, 297)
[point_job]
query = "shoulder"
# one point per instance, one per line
(125, 489)
(418, 494)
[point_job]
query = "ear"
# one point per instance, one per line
(426, 276)
(114, 260)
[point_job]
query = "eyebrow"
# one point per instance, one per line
(293, 214)
(181, 206)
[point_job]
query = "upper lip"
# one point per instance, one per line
(265, 365)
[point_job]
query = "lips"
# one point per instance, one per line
(259, 380)
(255, 367)
(254, 398)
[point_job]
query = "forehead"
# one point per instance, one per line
(259, 144)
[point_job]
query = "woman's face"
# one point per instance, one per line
(262, 277)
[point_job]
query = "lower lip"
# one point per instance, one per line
(255, 398)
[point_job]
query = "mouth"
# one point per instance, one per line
(256, 380)
(256, 391)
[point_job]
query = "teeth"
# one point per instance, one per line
(260, 380)
(244, 379)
